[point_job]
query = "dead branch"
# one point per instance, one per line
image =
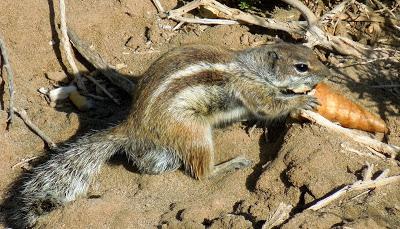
(96, 97)
(233, 16)
(67, 47)
(278, 216)
(24, 116)
(368, 152)
(24, 161)
(335, 11)
(366, 183)
(99, 63)
(307, 13)
(158, 5)
(206, 21)
(367, 62)
(385, 86)
(93, 80)
(388, 149)
(10, 77)
(384, 7)
(347, 148)
(311, 31)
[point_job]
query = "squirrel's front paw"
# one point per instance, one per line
(308, 102)
(305, 102)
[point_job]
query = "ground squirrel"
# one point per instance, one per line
(181, 97)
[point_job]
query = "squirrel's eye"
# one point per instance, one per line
(301, 67)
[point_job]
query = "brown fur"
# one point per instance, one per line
(180, 99)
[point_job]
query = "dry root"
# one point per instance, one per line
(10, 77)
(280, 215)
(34, 128)
(67, 47)
(94, 81)
(366, 183)
(100, 64)
(365, 140)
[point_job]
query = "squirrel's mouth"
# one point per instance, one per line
(301, 89)
(298, 89)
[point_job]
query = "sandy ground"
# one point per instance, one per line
(294, 163)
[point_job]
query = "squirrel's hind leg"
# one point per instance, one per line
(155, 159)
(199, 158)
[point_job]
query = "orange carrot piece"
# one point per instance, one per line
(336, 107)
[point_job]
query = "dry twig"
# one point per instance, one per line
(96, 97)
(67, 47)
(93, 80)
(158, 5)
(311, 31)
(391, 150)
(308, 14)
(366, 183)
(335, 11)
(368, 61)
(24, 116)
(231, 16)
(100, 64)
(370, 153)
(347, 148)
(384, 7)
(385, 86)
(278, 217)
(24, 161)
(10, 77)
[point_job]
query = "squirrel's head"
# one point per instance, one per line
(286, 66)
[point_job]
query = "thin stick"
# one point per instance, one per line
(278, 216)
(93, 80)
(231, 14)
(358, 185)
(67, 47)
(373, 155)
(361, 194)
(179, 25)
(23, 161)
(307, 13)
(24, 116)
(337, 9)
(384, 7)
(205, 21)
(100, 98)
(385, 86)
(368, 61)
(158, 5)
(10, 77)
(313, 34)
(391, 150)
(100, 64)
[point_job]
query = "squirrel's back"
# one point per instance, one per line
(180, 99)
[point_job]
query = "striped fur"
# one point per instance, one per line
(180, 99)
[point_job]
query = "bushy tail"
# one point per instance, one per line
(64, 176)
